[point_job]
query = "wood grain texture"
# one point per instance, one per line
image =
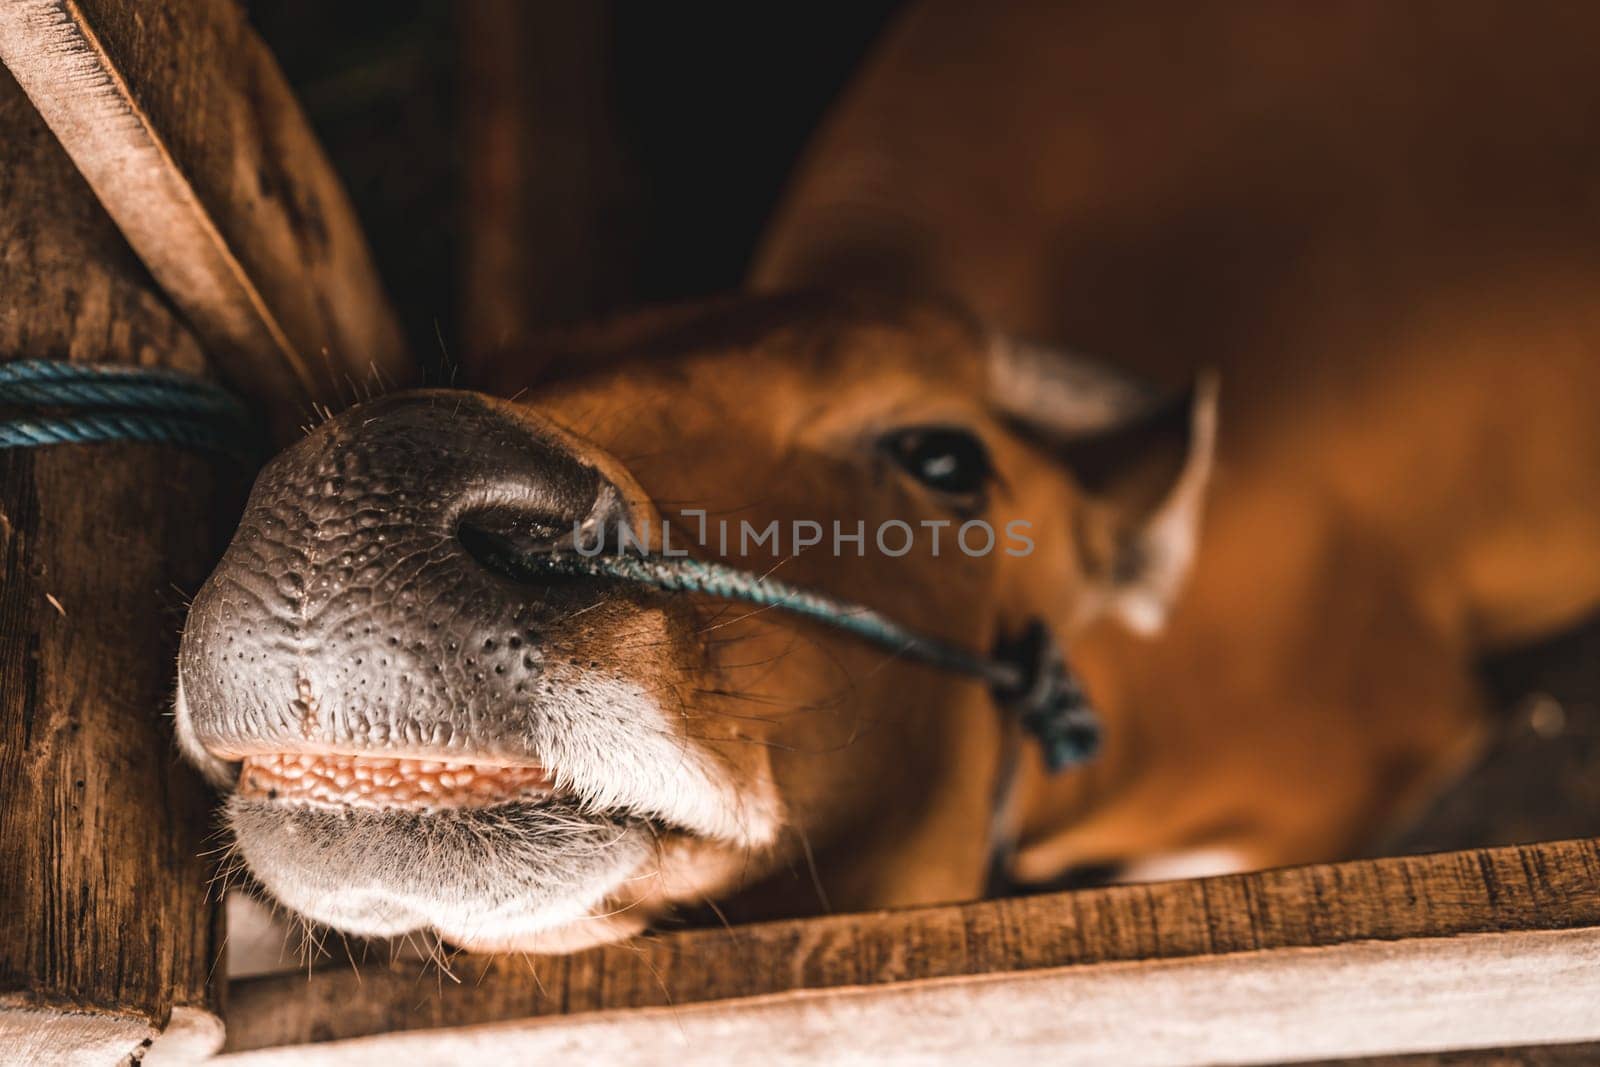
(1583, 1054)
(1266, 916)
(69, 1038)
(186, 130)
(104, 923)
(1265, 1006)
(544, 198)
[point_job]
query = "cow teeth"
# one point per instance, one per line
(337, 781)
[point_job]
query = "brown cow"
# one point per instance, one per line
(1375, 222)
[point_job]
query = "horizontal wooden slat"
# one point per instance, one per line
(1582, 1054)
(34, 1035)
(188, 134)
(1539, 905)
(1257, 1007)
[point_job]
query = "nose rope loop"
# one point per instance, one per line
(1028, 677)
(92, 403)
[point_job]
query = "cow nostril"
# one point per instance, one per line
(499, 542)
(502, 543)
(527, 532)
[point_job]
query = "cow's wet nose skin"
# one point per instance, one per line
(453, 463)
(411, 737)
(360, 608)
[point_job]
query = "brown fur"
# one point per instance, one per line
(768, 409)
(1379, 222)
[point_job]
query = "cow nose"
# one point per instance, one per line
(364, 598)
(554, 505)
(441, 464)
(495, 482)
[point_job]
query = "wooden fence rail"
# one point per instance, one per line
(1458, 950)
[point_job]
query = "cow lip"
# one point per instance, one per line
(687, 795)
(384, 781)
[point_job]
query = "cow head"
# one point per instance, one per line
(412, 735)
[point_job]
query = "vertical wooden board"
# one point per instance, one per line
(184, 127)
(105, 926)
(543, 226)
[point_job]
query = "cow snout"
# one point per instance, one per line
(413, 735)
(358, 609)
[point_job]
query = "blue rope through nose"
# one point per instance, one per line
(685, 575)
(1028, 677)
(111, 402)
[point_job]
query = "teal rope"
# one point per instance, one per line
(102, 403)
(1032, 680)
(684, 575)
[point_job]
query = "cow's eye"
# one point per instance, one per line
(947, 460)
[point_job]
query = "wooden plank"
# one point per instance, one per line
(1583, 1054)
(543, 211)
(1257, 1007)
(56, 1036)
(1470, 907)
(105, 929)
(186, 130)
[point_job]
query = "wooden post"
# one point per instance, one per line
(182, 123)
(234, 235)
(545, 210)
(106, 934)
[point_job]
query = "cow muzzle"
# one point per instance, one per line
(413, 737)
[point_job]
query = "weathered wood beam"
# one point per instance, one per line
(1583, 1054)
(1350, 959)
(543, 236)
(183, 125)
(106, 933)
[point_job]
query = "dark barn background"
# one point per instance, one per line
(642, 147)
(654, 139)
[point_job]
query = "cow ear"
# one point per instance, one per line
(1142, 459)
